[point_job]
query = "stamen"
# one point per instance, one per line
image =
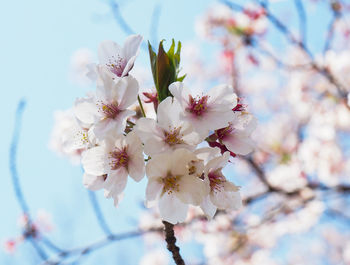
(111, 110)
(119, 158)
(173, 137)
(198, 105)
(216, 179)
(170, 183)
(224, 132)
(116, 65)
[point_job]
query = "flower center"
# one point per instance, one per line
(116, 65)
(173, 137)
(119, 158)
(216, 180)
(224, 132)
(198, 105)
(170, 183)
(111, 110)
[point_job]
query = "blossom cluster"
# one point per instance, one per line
(182, 151)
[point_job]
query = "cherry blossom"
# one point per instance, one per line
(108, 109)
(206, 112)
(107, 166)
(118, 60)
(168, 132)
(223, 194)
(173, 182)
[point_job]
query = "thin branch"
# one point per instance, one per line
(302, 19)
(13, 159)
(98, 213)
(330, 32)
(16, 183)
(100, 244)
(122, 22)
(292, 39)
(153, 31)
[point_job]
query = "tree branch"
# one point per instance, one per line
(171, 240)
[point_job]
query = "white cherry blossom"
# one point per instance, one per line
(206, 112)
(168, 132)
(107, 166)
(173, 182)
(107, 109)
(118, 60)
(236, 136)
(223, 193)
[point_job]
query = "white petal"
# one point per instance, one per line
(153, 189)
(128, 66)
(208, 207)
(93, 182)
(146, 128)
(115, 183)
(223, 97)
(207, 153)
(218, 162)
(180, 159)
(168, 114)
(172, 209)
(93, 161)
(192, 190)
(136, 165)
(226, 199)
(180, 93)
(155, 145)
(131, 46)
(85, 110)
(129, 95)
(239, 144)
(158, 166)
(106, 50)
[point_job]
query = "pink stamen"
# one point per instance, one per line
(111, 110)
(216, 180)
(173, 137)
(197, 106)
(224, 132)
(119, 158)
(117, 65)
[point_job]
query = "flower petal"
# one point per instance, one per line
(172, 209)
(93, 161)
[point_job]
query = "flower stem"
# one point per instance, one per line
(141, 106)
(171, 240)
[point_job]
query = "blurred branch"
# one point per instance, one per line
(13, 159)
(122, 22)
(330, 32)
(293, 40)
(98, 213)
(153, 31)
(81, 251)
(28, 233)
(302, 19)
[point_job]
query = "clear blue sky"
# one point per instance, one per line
(37, 40)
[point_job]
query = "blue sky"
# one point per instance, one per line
(38, 39)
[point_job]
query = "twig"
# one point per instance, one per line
(171, 240)
(330, 31)
(15, 178)
(153, 31)
(122, 22)
(98, 213)
(302, 19)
